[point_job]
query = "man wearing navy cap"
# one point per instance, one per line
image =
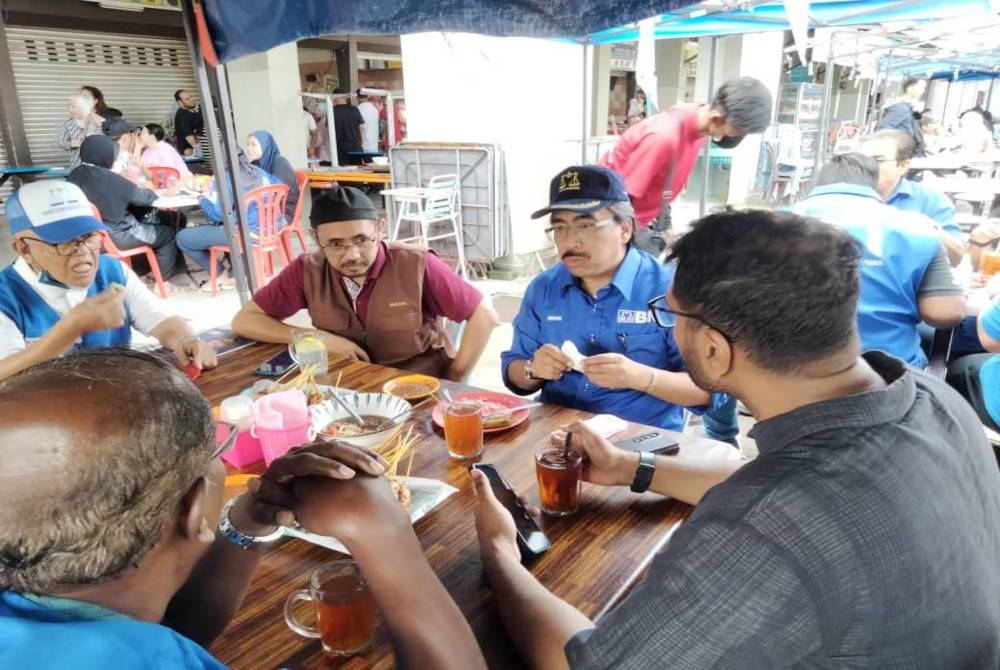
(370, 299)
(62, 294)
(596, 298)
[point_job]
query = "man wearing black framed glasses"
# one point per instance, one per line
(62, 294)
(370, 299)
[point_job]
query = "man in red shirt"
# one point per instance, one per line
(370, 299)
(665, 147)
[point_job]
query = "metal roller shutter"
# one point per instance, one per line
(137, 74)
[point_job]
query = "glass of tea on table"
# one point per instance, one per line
(989, 262)
(558, 473)
(345, 609)
(463, 429)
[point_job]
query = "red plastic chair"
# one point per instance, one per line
(295, 227)
(111, 249)
(270, 203)
(161, 175)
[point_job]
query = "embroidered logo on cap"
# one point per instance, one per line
(570, 181)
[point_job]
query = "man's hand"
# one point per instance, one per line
(603, 463)
(103, 311)
(341, 346)
(550, 363)
(615, 371)
(985, 233)
(273, 501)
(360, 510)
(194, 351)
(494, 524)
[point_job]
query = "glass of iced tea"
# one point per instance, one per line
(558, 480)
(345, 609)
(989, 263)
(463, 429)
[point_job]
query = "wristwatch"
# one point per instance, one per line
(228, 531)
(644, 473)
(528, 377)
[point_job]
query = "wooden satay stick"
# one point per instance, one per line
(290, 371)
(339, 376)
(409, 465)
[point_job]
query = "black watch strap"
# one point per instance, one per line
(644, 473)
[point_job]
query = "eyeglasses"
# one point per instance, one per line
(227, 443)
(91, 242)
(343, 246)
(667, 318)
(562, 230)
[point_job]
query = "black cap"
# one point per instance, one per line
(116, 127)
(585, 189)
(342, 203)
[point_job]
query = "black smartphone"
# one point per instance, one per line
(276, 366)
(530, 538)
(657, 442)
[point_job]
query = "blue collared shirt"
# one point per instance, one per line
(913, 196)
(556, 309)
(896, 257)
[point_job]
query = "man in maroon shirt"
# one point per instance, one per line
(370, 299)
(665, 147)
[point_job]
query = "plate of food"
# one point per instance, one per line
(304, 381)
(500, 411)
(332, 422)
(412, 387)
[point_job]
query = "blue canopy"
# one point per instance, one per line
(241, 27)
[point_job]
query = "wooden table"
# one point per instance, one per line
(320, 178)
(598, 554)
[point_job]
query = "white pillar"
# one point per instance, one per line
(601, 83)
(264, 89)
(670, 77)
(525, 94)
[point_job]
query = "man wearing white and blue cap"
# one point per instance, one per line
(62, 294)
(595, 302)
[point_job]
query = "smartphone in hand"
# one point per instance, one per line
(530, 538)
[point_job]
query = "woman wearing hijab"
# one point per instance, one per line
(196, 242)
(125, 208)
(81, 124)
(263, 152)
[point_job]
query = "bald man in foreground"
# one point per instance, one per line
(109, 556)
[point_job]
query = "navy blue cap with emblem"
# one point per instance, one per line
(584, 189)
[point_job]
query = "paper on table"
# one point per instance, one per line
(574, 354)
(606, 425)
(425, 495)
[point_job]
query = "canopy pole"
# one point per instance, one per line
(825, 109)
(713, 54)
(226, 178)
(584, 117)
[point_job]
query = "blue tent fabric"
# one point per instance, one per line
(242, 27)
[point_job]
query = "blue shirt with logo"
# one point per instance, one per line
(989, 372)
(47, 633)
(556, 309)
(912, 196)
(896, 256)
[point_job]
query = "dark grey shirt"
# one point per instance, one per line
(865, 535)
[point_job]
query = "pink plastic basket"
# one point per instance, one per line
(244, 452)
(276, 443)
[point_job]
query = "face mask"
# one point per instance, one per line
(728, 141)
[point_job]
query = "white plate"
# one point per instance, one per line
(425, 495)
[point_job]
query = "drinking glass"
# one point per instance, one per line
(558, 480)
(345, 609)
(308, 349)
(463, 429)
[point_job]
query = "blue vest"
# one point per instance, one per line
(34, 317)
(896, 256)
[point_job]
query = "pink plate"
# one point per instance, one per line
(493, 402)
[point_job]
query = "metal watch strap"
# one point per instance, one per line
(528, 377)
(644, 473)
(228, 531)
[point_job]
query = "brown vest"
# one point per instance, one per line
(398, 332)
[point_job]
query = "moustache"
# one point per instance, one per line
(576, 254)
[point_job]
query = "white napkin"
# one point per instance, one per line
(574, 355)
(606, 425)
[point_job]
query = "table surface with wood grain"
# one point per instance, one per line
(597, 556)
(321, 179)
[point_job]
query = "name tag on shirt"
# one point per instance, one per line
(634, 316)
(553, 317)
